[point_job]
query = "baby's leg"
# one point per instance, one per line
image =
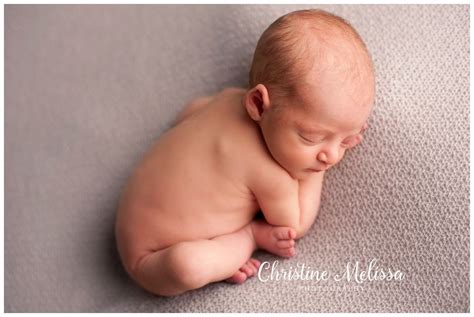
(193, 264)
(276, 240)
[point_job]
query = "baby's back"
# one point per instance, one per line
(192, 183)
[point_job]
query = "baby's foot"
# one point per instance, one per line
(247, 270)
(274, 239)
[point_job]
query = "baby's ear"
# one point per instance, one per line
(257, 101)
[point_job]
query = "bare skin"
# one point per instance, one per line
(187, 214)
(186, 218)
(189, 205)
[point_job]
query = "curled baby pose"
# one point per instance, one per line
(187, 215)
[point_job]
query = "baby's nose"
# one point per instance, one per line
(322, 157)
(326, 158)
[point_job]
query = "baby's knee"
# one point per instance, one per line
(169, 272)
(185, 267)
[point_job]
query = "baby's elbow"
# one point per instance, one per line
(306, 222)
(301, 231)
(303, 228)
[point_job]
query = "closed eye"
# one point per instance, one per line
(310, 141)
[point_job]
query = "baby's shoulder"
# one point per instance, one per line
(232, 91)
(262, 167)
(240, 138)
(266, 173)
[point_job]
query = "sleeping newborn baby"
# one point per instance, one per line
(187, 214)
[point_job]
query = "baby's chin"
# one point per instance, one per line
(303, 173)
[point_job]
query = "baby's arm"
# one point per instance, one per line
(309, 194)
(279, 202)
(290, 202)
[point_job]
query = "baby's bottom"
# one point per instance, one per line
(192, 264)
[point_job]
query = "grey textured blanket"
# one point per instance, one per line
(89, 88)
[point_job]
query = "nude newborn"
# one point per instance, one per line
(186, 217)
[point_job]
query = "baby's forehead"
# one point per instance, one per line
(318, 107)
(350, 91)
(345, 124)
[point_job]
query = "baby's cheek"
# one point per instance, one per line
(295, 154)
(305, 155)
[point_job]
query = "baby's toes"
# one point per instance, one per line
(285, 244)
(238, 278)
(256, 263)
(289, 252)
(246, 268)
(284, 233)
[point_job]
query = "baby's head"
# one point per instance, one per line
(312, 88)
